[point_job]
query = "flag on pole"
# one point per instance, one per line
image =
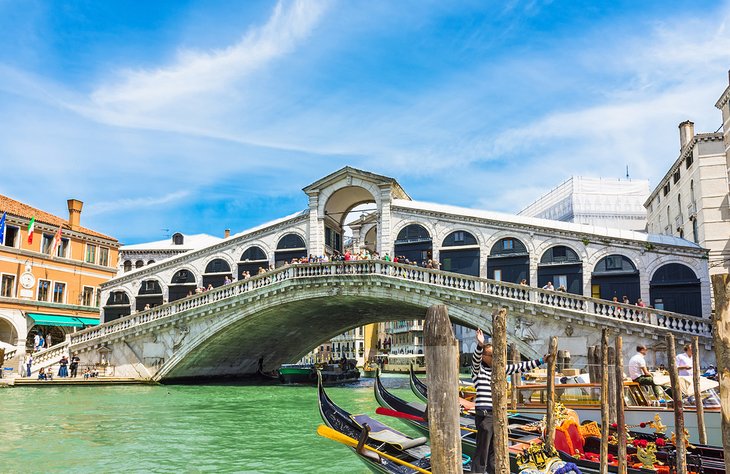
(56, 242)
(31, 228)
(2, 229)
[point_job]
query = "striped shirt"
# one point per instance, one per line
(481, 375)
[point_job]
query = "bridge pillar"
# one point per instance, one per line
(316, 227)
(385, 243)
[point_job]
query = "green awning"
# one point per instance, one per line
(60, 320)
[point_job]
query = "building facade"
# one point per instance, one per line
(691, 200)
(50, 282)
(136, 256)
(595, 201)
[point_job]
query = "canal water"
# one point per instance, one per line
(180, 428)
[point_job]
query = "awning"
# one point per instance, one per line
(62, 320)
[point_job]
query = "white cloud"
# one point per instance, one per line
(133, 204)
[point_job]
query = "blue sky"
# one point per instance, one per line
(199, 116)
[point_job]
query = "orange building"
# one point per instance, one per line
(44, 294)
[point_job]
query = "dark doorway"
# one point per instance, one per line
(464, 258)
(183, 284)
(414, 243)
(117, 306)
(561, 266)
(150, 293)
(252, 259)
(290, 247)
(216, 273)
(509, 261)
(675, 287)
(615, 275)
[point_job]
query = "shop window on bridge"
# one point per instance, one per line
(183, 284)
(615, 275)
(252, 259)
(414, 244)
(509, 261)
(290, 247)
(117, 306)
(675, 287)
(216, 273)
(150, 293)
(562, 266)
(464, 258)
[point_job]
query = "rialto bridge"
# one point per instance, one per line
(280, 315)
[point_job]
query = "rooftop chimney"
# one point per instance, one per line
(227, 233)
(74, 212)
(686, 133)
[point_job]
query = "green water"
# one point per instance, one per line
(179, 428)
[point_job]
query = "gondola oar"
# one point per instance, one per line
(400, 414)
(335, 435)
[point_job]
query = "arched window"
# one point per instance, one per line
(291, 241)
(183, 276)
(177, 239)
(127, 265)
(253, 253)
(138, 264)
(218, 265)
(150, 262)
(675, 287)
(183, 284)
(559, 254)
(413, 233)
(615, 275)
(460, 253)
(508, 246)
(459, 238)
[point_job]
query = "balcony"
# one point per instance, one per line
(678, 221)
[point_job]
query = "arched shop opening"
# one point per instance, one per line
(117, 306)
(183, 283)
(8, 334)
(615, 275)
(52, 332)
(252, 259)
(290, 247)
(561, 266)
(460, 253)
(675, 287)
(216, 273)
(150, 293)
(509, 261)
(414, 243)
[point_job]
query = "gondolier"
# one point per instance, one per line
(481, 375)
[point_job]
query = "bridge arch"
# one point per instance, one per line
(334, 199)
(509, 260)
(216, 270)
(414, 241)
(183, 282)
(11, 330)
(460, 253)
(291, 245)
(253, 258)
(676, 287)
(561, 265)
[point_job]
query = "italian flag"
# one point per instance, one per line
(31, 228)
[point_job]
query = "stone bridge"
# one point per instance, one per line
(280, 315)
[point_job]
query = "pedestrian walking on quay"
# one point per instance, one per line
(481, 375)
(63, 369)
(74, 364)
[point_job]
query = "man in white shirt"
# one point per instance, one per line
(684, 361)
(640, 374)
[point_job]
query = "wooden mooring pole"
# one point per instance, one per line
(701, 430)
(721, 339)
(681, 447)
(499, 391)
(441, 350)
(550, 422)
(611, 385)
(605, 422)
(516, 378)
(620, 415)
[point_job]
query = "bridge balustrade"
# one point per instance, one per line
(614, 311)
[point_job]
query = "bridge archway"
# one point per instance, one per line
(150, 293)
(562, 266)
(509, 261)
(615, 275)
(252, 259)
(216, 272)
(459, 253)
(8, 332)
(414, 243)
(338, 205)
(291, 246)
(117, 306)
(183, 283)
(675, 287)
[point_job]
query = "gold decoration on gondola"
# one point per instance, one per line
(659, 427)
(536, 456)
(673, 439)
(647, 456)
(590, 429)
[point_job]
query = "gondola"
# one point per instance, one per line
(409, 450)
(706, 459)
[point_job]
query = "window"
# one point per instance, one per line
(666, 189)
(62, 250)
(138, 264)
(498, 275)
(11, 236)
(97, 301)
(103, 256)
(177, 239)
(90, 253)
(87, 296)
(59, 292)
(127, 265)
(676, 176)
(688, 160)
(46, 243)
(596, 291)
(458, 236)
(508, 244)
(44, 287)
(8, 286)
(560, 280)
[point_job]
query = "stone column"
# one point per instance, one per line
(316, 227)
(385, 242)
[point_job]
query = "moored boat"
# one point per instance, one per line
(332, 374)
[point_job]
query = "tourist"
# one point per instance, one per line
(147, 307)
(63, 369)
(523, 282)
(41, 342)
(640, 374)
(481, 375)
(626, 300)
(28, 363)
(48, 340)
(640, 303)
(684, 361)
(549, 286)
(562, 288)
(41, 374)
(36, 342)
(74, 364)
(87, 373)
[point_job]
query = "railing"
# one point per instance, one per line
(10, 354)
(50, 356)
(613, 311)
